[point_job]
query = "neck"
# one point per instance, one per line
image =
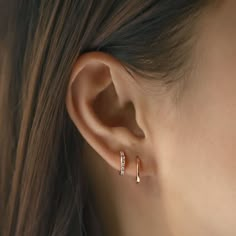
(122, 207)
(121, 215)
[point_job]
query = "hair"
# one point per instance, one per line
(42, 185)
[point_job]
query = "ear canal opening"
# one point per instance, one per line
(132, 121)
(111, 113)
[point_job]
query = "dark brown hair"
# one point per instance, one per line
(42, 189)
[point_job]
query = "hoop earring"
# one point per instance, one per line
(122, 163)
(137, 170)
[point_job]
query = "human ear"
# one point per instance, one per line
(107, 107)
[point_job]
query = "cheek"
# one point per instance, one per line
(199, 155)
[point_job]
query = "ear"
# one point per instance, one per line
(107, 105)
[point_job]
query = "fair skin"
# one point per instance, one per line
(187, 148)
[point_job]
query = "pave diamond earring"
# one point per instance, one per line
(122, 163)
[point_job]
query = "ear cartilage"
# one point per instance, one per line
(122, 163)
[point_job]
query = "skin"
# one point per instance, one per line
(187, 148)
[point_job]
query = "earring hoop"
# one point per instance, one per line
(137, 170)
(122, 163)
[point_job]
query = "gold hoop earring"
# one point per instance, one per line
(137, 170)
(122, 163)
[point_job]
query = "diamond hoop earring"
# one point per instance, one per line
(122, 163)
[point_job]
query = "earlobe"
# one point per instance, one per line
(102, 110)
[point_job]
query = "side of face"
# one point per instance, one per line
(187, 146)
(198, 159)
